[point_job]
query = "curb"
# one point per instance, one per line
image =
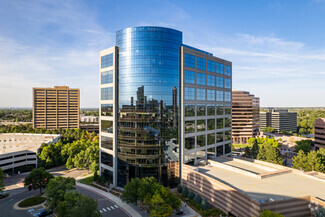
(16, 207)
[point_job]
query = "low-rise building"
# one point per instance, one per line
(320, 133)
(279, 120)
(90, 127)
(19, 150)
(89, 119)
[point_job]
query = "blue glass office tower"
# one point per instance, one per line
(143, 106)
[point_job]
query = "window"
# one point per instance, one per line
(219, 95)
(219, 123)
(200, 78)
(189, 60)
(227, 83)
(219, 82)
(106, 159)
(107, 142)
(200, 110)
(211, 109)
(211, 124)
(210, 66)
(189, 93)
(200, 94)
(227, 122)
(219, 150)
(189, 126)
(107, 93)
(211, 95)
(227, 148)
(211, 139)
(106, 126)
(189, 143)
(200, 125)
(227, 70)
(227, 135)
(200, 141)
(106, 60)
(228, 110)
(219, 137)
(107, 174)
(107, 110)
(219, 109)
(189, 77)
(189, 110)
(227, 96)
(107, 77)
(210, 80)
(200, 63)
(219, 68)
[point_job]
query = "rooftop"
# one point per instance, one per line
(14, 142)
(264, 181)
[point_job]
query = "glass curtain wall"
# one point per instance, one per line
(148, 101)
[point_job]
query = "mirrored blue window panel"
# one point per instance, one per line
(211, 80)
(227, 70)
(189, 77)
(200, 78)
(219, 68)
(107, 77)
(210, 66)
(227, 83)
(227, 96)
(211, 95)
(219, 82)
(200, 63)
(189, 93)
(189, 60)
(219, 95)
(200, 94)
(107, 93)
(106, 60)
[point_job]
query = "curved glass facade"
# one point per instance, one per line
(148, 90)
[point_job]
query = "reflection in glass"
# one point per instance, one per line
(200, 125)
(200, 141)
(189, 143)
(219, 137)
(200, 110)
(219, 123)
(106, 159)
(219, 150)
(189, 110)
(107, 109)
(211, 152)
(189, 126)
(107, 142)
(211, 139)
(211, 124)
(106, 126)
(211, 109)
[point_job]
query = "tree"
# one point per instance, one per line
(75, 204)
(191, 195)
(268, 129)
(320, 212)
(299, 161)
(197, 199)
(56, 189)
(185, 191)
(315, 162)
(159, 208)
(131, 191)
(269, 213)
(2, 183)
(179, 188)
(304, 145)
(37, 179)
(205, 204)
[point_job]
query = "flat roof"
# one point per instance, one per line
(284, 183)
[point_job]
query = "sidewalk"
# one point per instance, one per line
(127, 208)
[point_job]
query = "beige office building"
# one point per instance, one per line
(56, 107)
(320, 133)
(245, 116)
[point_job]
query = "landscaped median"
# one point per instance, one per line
(32, 201)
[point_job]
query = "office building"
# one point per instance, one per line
(55, 108)
(245, 116)
(18, 151)
(279, 119)
(320, 133)
(163, 104)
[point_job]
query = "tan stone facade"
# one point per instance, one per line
(56, 107)
(320, 133)
(245, 116)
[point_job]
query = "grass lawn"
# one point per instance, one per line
(87, 181)
(241, 145)
(32, 201)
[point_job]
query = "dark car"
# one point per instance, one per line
(179, 212)
(45, 213)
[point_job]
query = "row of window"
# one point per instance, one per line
(192, 110)
(209, 80)
(209, 95)
(107, 93)
(209, 124)
(207, 153)
(208, 65)
(205, 140)
(106, 61)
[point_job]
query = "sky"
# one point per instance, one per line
(277, 48)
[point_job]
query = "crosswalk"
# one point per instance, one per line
(107, 209)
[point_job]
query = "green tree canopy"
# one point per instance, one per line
(269, 213)
(304, 145)
(2, 183)
(37, 179)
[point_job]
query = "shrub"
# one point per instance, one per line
(179, 188)
(197, 199)
(191, 195)
(185, 191)
(95, 176)
(205, 204)
(32, 201)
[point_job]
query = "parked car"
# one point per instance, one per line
(45, 213)
(179, 212)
